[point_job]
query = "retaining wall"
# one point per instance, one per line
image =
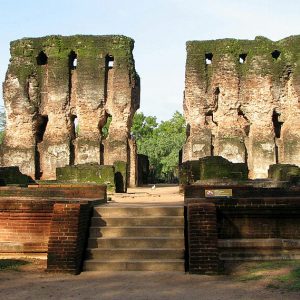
(48, 219)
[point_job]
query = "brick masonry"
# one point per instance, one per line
(202, 238)
(24, 225)
(69, 225)
(238, 218)
(54, 225)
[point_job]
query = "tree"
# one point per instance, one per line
(2, 123)
(160, 142)
(142, 127)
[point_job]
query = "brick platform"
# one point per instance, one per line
(48, 219)
(244, 227)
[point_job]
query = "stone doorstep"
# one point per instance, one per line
(123, 254)
(138, 221)
(135, 265)
(136, 231)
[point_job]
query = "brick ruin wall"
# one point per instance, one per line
(242, 102)
(55, 80)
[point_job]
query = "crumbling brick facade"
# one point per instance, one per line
(242, 102)
(53, 81)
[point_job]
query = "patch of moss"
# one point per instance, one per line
(217, 167)
(283, 172)
(88, 173)
(261, 48)
(88, 47)
(12, 175)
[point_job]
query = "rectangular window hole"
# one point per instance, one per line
(242, 58)
(208, 58)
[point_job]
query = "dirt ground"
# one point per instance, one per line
(149, 194)
(30, 281)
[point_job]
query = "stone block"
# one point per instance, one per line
(12, 175)
(121, 176)
(283, 172)
(88, 173)
(217, 167)
(189, 172)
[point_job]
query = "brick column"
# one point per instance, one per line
(67, 239)
(202, 238)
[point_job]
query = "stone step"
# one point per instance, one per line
(136, 232)
(136, 242)
(271, 243)
(134, 265)
(259, 255)
(138, 221)
(125, 254)
(138, 211)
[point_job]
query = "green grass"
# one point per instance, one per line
(289, 281)
(250, 277)
(12, 264)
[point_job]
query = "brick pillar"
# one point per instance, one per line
(67, 239)
(202, 238)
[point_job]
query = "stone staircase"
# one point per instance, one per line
(136, 238)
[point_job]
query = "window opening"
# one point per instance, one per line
(276, 54)
(42, 59)
(208, 58)
(109, 61)
(242, 58)
(72, 60)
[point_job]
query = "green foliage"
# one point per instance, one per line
(106, 127)
(160, 142)
(2, 123)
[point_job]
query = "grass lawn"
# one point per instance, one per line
(277, 274)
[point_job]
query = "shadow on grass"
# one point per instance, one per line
(11, 264)
(282, 274)
(290, 281)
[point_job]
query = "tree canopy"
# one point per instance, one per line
(160, 142)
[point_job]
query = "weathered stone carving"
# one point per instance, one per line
(54, 81)
(242, 102)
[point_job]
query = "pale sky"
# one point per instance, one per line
(159, 28)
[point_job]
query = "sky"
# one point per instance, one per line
(160, 30)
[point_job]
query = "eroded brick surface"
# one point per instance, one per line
(242, 102)
(55, 81)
